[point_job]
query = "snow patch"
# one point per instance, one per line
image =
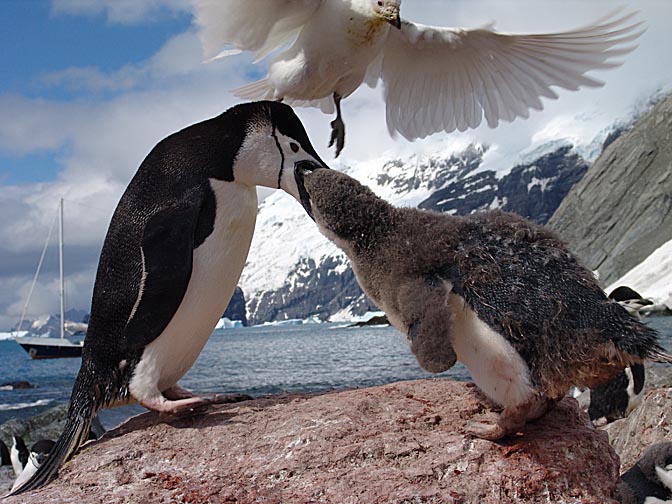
(652, 278)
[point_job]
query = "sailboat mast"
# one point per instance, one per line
(60, 266)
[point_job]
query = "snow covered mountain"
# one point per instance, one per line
(294, 272)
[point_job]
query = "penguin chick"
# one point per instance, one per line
(492, 290)
(39, 452)
(649, 481)
(171, 260)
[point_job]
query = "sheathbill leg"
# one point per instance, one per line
(337, 127)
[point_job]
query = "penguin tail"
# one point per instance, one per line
(659, 355)
(83, 407)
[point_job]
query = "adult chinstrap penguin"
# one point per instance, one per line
(39, 453)
(649, 481)
(171, 260)
(492, 290)
(18, 455)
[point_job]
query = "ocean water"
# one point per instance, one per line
(255, 361)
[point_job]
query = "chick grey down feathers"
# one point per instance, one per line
(493, 290)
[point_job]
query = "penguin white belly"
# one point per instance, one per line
(496, 367)
(217, 264)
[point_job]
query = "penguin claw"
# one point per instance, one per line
(337, 135)
(485, 430)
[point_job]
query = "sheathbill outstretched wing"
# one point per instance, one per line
(446, 79)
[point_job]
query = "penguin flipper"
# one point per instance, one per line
(423, 306)
(167, 253)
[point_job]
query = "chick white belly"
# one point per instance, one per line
(495, 366)
(217, 264)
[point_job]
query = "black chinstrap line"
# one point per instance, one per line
(282, 156)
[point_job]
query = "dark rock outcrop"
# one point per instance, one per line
(316, 290)
(621, 210)
(398, 443)
(533, 190)
(236, 309)
(47, 425)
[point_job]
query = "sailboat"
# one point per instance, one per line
(41, 347)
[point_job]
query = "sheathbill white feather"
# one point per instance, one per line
(435, 78)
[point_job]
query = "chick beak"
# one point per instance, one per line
(301, 168)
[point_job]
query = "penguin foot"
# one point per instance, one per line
(176, 392)
(510, 421)
(337, 135)
(177, 407)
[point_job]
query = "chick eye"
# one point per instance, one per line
(294, 147)
(380, 3)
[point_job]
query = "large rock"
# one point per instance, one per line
(398, 443)
(47, 425)
(621, 210)
(647, 425)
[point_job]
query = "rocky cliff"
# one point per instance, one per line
(621, 210)
(398, 443)
(236, 309)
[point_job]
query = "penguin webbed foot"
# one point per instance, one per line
(510, 421)
(178, 407)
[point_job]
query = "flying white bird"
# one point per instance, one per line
(435, 79)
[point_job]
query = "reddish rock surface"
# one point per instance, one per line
(648, 424)
(398, 443)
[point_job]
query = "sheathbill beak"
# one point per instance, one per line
(301, 168)
(393, 17)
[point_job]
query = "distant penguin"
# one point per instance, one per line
(492, 290)
(39, 452)
(619, 396)
(171, 260)
(5, 458)
(616, 398)
(630, 299)
(19, 455)
(649, 481)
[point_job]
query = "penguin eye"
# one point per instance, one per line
(294, 147)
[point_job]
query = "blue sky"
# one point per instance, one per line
(88, 87)
(89, 39)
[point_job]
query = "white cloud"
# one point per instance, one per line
(120, 11)
(102, 138)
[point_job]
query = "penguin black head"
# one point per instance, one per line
(4, 454)
(41, 449)
(344, 209)
(275, 143)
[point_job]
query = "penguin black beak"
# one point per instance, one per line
(301, 168)
(396, 22)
